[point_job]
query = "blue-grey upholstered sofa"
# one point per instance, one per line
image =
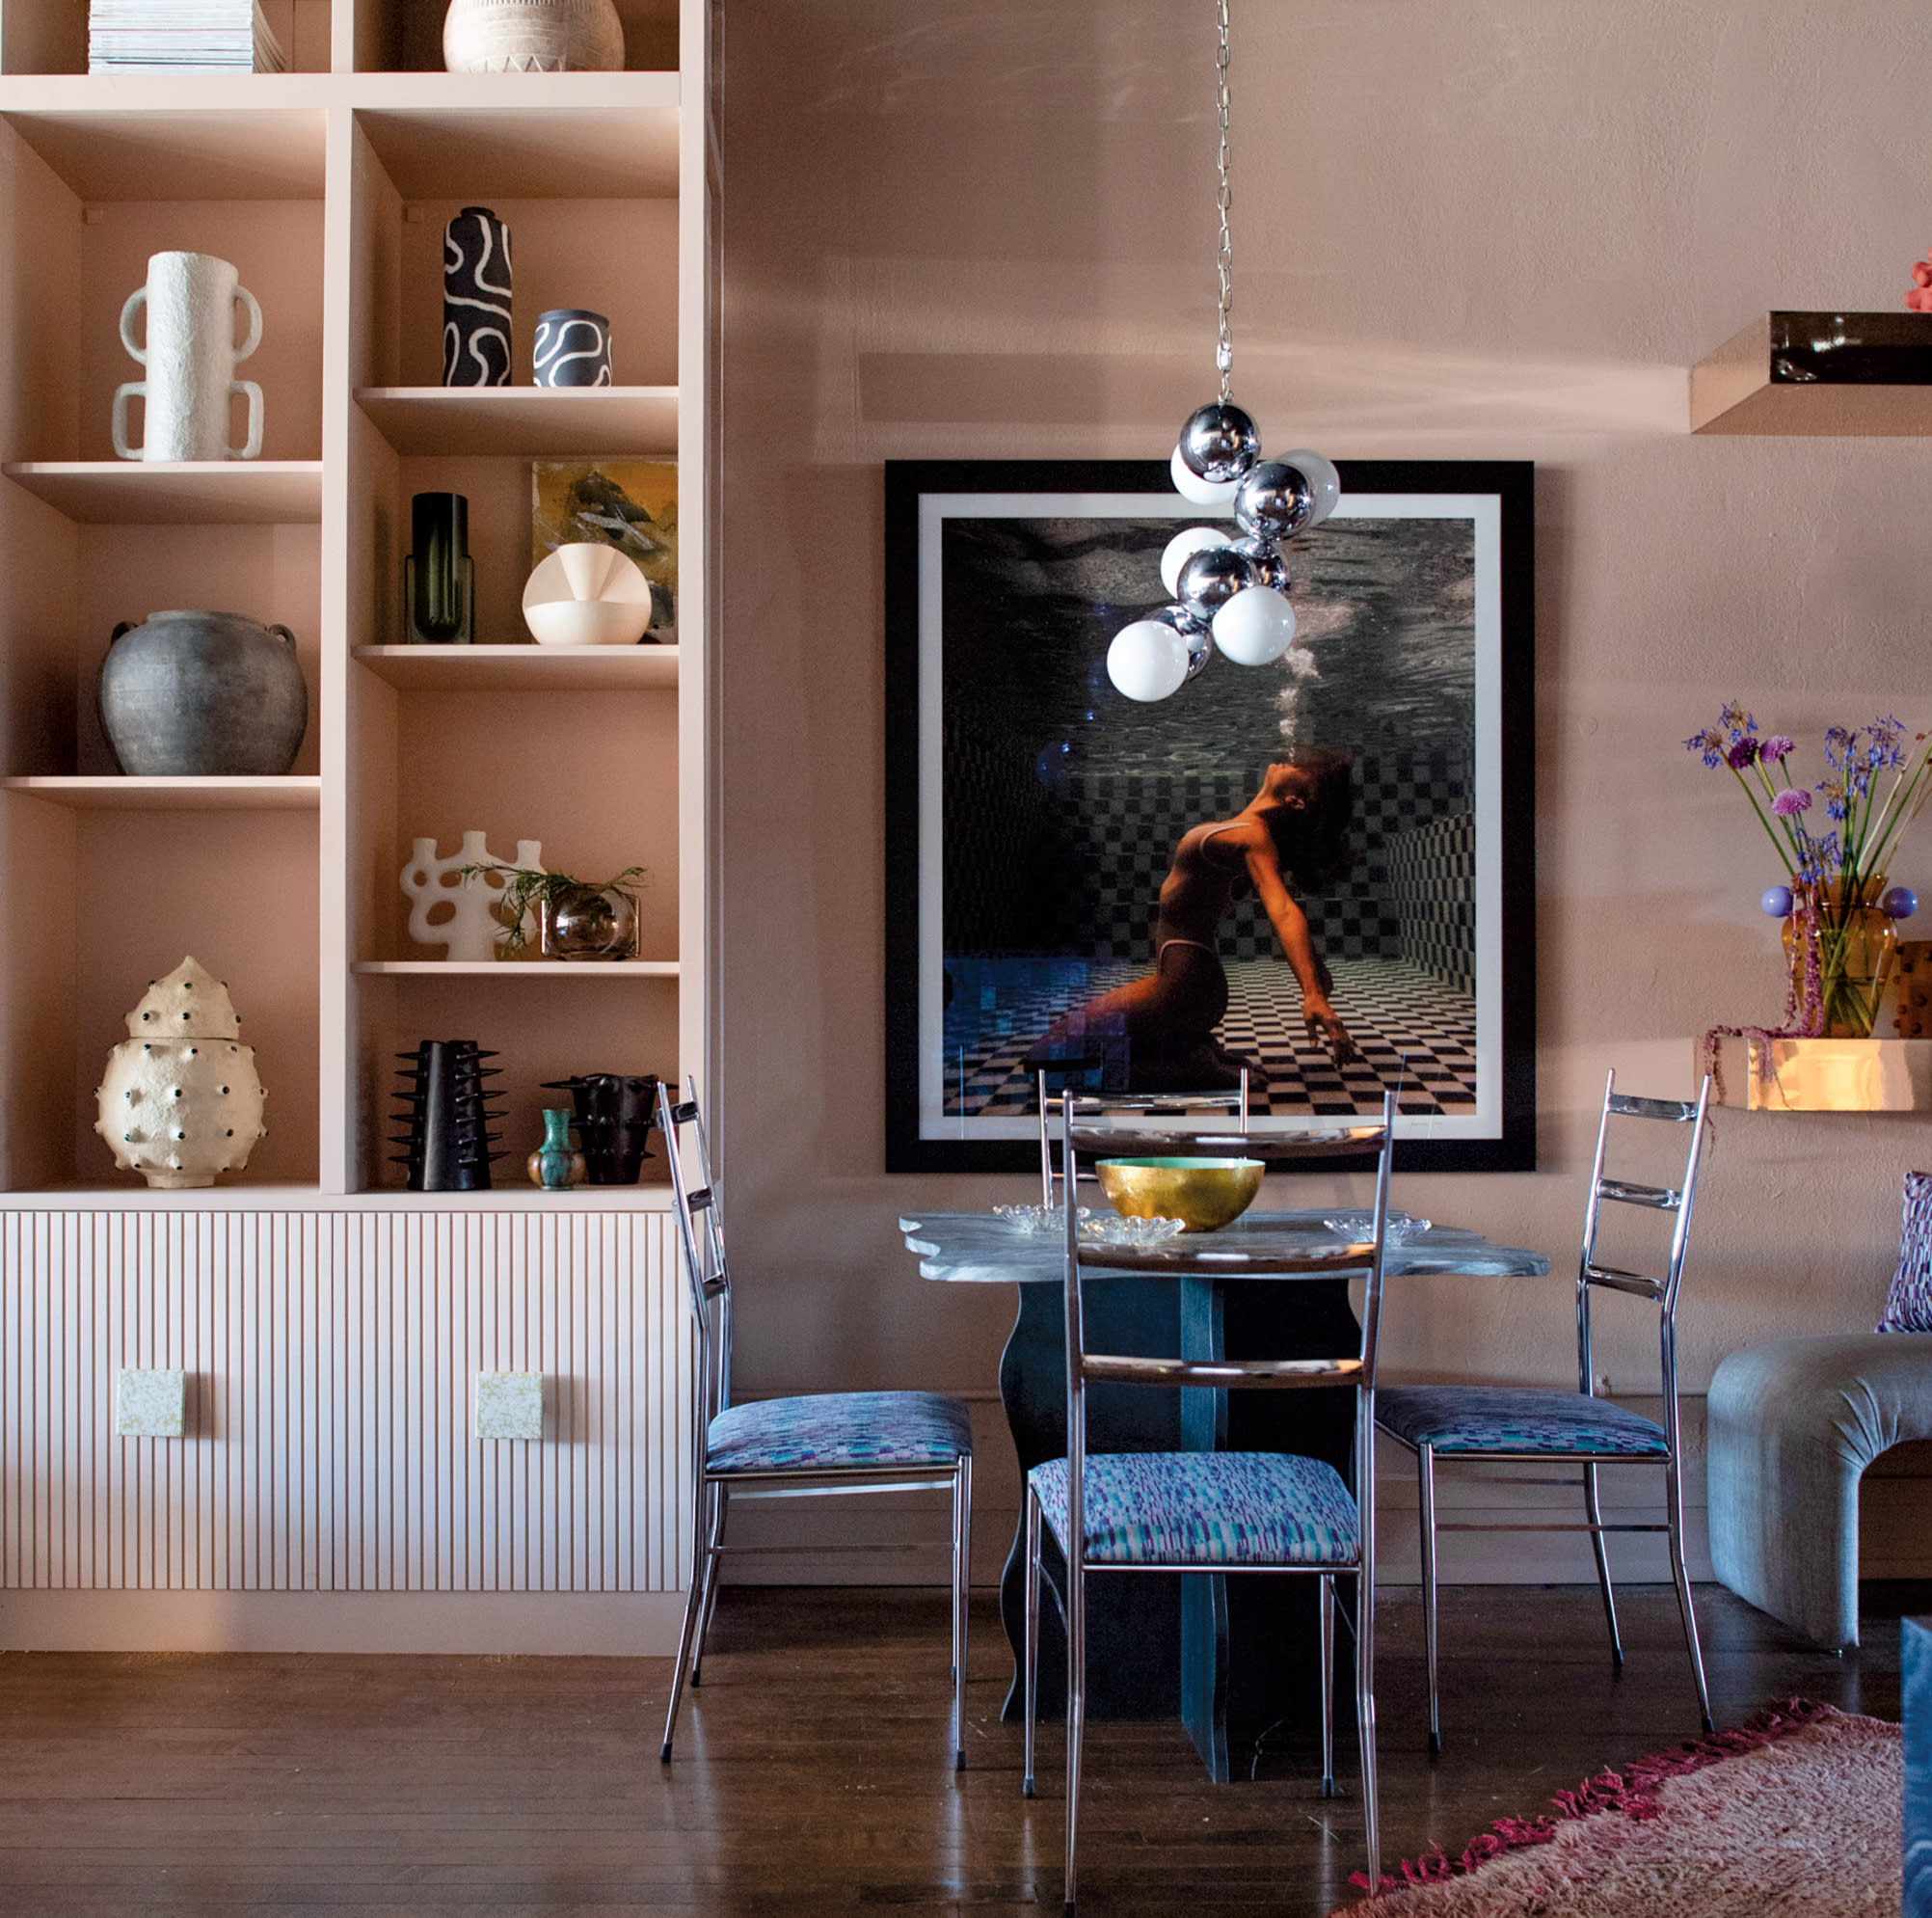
(1793, 1425)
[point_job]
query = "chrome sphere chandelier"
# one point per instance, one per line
(1227, 590)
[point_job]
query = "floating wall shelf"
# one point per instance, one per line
(1826, 1074)
(1819, 373)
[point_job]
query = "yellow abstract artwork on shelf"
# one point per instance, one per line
(631, 504)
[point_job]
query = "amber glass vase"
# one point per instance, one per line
(1857, 947)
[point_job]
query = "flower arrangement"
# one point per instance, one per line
(1836, 875)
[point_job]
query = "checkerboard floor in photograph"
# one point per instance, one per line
(1414, 1030)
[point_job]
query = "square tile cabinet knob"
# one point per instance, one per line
(150, 1404)
(509, 1405)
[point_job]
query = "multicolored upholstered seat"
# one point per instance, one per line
(1474, 1423)
(882, 1443)
(1511, 1418)
(1205, 1508)
(839, 1430)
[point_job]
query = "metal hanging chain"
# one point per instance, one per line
(1224, 252)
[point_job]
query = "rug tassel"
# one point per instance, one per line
(1632, 1790)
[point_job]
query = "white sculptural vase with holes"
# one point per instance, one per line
(453, 901)
(189, 361)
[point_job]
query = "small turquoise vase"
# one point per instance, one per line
(555, 1155)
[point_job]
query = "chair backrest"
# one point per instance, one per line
(1193, 1255)
(1677, 1200)
(1094, 1109)
(701, 1243)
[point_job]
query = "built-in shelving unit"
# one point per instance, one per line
(329, 187)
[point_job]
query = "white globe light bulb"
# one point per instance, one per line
(1324, 483)
(1195, 539)
(1202, 492)
(1255, 627)
(1147, 659)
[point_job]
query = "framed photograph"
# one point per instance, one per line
(631, 504)
(1080, 882)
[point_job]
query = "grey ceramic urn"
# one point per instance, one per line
(207, 694)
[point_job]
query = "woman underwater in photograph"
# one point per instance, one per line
(1161, 1028)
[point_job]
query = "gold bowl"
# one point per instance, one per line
(1203, 1194)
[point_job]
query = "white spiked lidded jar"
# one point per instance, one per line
(179, 1101)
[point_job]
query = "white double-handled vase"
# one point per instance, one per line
(190, 357)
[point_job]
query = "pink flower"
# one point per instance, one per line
(1776, 746)
(1791, 801)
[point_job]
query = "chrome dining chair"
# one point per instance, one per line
(813, 1445)
(1213, 1512)
(1510, 1424)
(1093, 1109)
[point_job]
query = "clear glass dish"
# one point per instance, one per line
(1356, 1227)
(1033, 1219)
(1108, 1228)
(1105, 1229)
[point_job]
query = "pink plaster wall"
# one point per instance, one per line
(1464, 228)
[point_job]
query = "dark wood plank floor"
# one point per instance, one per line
(813, 1773)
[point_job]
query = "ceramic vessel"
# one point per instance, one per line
(587, 594)
(615, 1113)
(446, 1117)
(179, 1101)
(470, 929)
(190, 359)
(476, 300)
(532, 37)
(555, 1164)
(438, 575)
(572, 348)
(209, 694)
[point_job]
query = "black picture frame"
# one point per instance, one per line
(960, 720)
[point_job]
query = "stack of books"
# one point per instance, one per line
(181, 37)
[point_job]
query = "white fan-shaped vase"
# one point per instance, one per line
(587, 594)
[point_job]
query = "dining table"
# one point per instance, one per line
(1234, 1658)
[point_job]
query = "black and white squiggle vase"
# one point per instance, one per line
(572, 349)
(476, 300)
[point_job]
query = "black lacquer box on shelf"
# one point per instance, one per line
(1851, 349)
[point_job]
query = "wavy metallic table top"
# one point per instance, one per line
(976, 1248)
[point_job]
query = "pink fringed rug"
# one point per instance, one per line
(1799, 1811)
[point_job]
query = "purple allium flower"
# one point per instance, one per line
(1777, 747)
(1736, 718)
(1710, 743)
(1741, 754)
(1791, 801)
